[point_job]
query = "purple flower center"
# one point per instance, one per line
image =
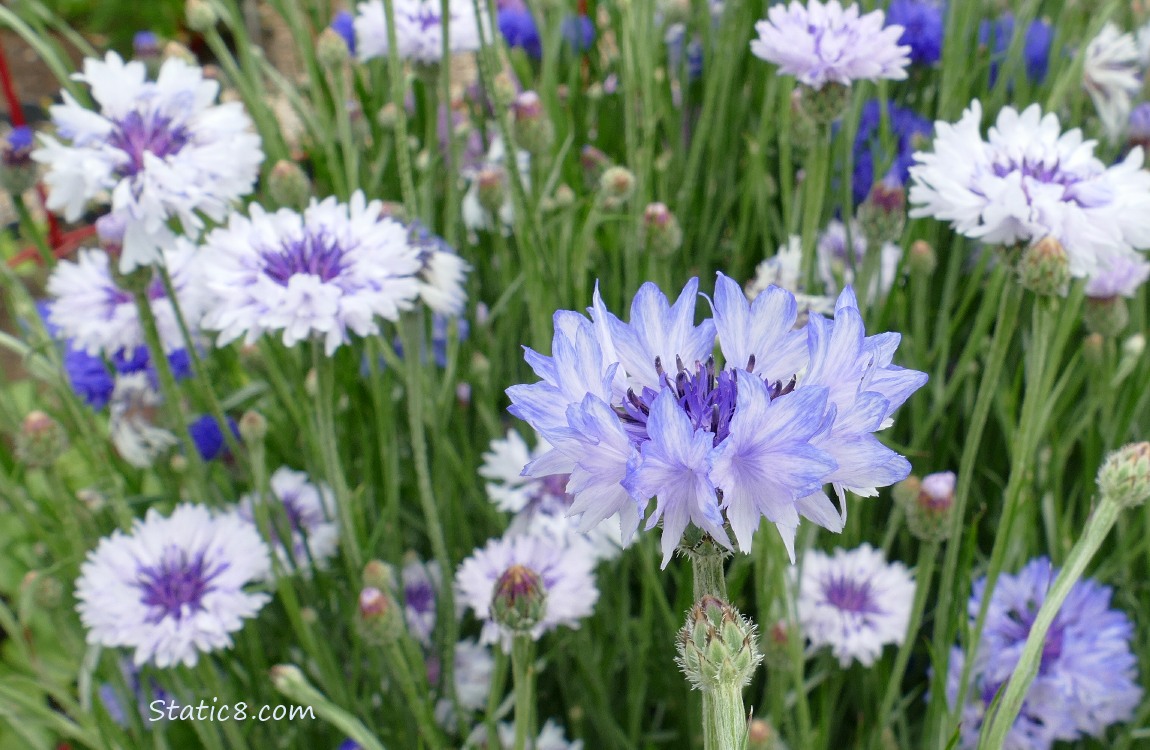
(426, 17)
(1076, 188)
(706, 396)
(154, 134)
(177, 585)
(419, 596)
(850, 595)
(17, 148)
(313, 254)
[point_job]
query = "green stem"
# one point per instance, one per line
(724, 719)
(814, 191)
(707, 565)
(415, 693)
(28, 225)
(523, 674)
(329, 447)
(1097, 528)
(395, 72)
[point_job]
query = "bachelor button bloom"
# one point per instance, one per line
(163, 150)
(540, 505)
(442, 272)
(493, 175)
(855, 602)
(1029, 180)
(1036, 45)
(838, 267)
(209, 438)
(550, 738)
(923, 26)
(131, 423)
(783, 270)
(336, 268)
(1086, 680)
(564, 572)
(418, 29)
(872, 161)
(821, 44)
(641, 409)
(343, 23)
(518, 28)
(174, 587)
(100, 317)
(1119, 274)
(1110, 75)
(421, 581)
(305, 510)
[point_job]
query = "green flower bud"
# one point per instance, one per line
(1094, 349)
(827, 104)
(921, 259)
(41, 440)
(288, 186)
(882, 216)
(762, 736)
(379, 618)
(1125, 475)
(1107, 316)
(177, 51)
(928, 504)
(661, 230)
(533, 131)
(717, 646)
(331, 49)
(1044, 267)
(776, 647)
(616, 185)
(200, 16)
(520, 599)
(18, 173)
(253, 427)
(492, 188)
(379, 575)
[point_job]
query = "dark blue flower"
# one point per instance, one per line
(906, 126)
(89, 377)
(923, 27)
(519, 30)
(209, 438)
(579, 32)
(344, 25)
(1036, 48)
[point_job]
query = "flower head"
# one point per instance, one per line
(518, 28)
(642, 409)
(1119, 274)
(481, 214)
(174, 587)
(1036, 45)
(91, 307)
(839, 264)
(565, 573)
(163, 150)
(826, 43)
(923, 26)
(871, 161)
(1087, 676)
(1110, 74)
(305, 511)
(418, 29)
(854, 602)
(1029, 180)
(335, 269)
(421, 582)
(131, 422)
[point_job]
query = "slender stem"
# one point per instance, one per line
(707, 566)
(814, 191)
(523, 674)
(329, 447)
(28, 225)
(395, 71)
(1097, 528)
(414, 693)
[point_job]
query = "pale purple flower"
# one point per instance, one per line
(1111, 75)
(334, 270)
(421, 582)
(826, 43)
(163, 150)
(302, 515)
(1029, 180)
(565, 572)
(418, 29)
(855, 602)
(175, 587)
(1087, 678)
(1119, 274)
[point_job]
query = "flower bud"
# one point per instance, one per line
(717, 646)
(616, 185)
(533, 131)
(1125, 475)
(1044, 267)
(661, 230)
(491, 184)
(331, 49)
(379, 575)
(288, 186)
(921, 259)
(176, 51)
(253, 427)
(564, 196)
(762, 736)
(17, 170)
(882, 216)
(1094, 349)
(928, 504)
(505, 90)
(1107, 316)
(594, 163)
(1134, 346)
(287, 676)
(520, 599)
(41, 440)
(46, 591)
(308, 615)
(776, 647)
(200, 16)
(387, 116)
(379, 617)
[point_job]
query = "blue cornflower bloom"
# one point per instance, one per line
(518, 28)
(1087, 677)
(579, 32)
(209, 438)
(344, 24)
(923, 26)
(1036, 45)
(89, 377)
(642, 409)
(906, 126)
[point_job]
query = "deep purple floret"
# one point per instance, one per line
(209, 438)
(89, 377)
(313, 254)
(419, 596)
(850, 595)
(178, 584)
(518, 28)
(923, 28)
(139, 134)
(20, 139)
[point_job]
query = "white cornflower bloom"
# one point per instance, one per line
(174, 587)
(784, 269)
(839, 267)
(131, 421)
(418, 29)
(163, 150)
(1029, 180)
(854, 602)
(304, 509)
(475, 216)
(1110, 76)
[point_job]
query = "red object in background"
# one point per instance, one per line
(56, 237)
